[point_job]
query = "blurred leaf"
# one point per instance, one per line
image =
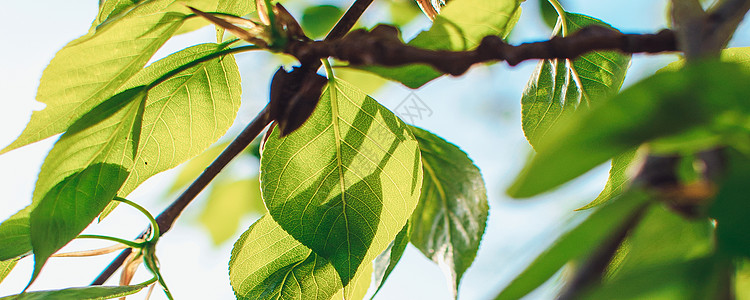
(580, 241)
(365, 81)
(318, 20)
(460, 26)
(227, 203)
(664, 237)
(268, 263)
(80, 293)
(403, 11)
(195, 166)
(15, 236)
(548, 13)
(384, 264)
(618, 179)
(665, 104)
(731, 207)
(692, 279)
(6, 266)
(560, 86)
(355, 169)
(84, 171)
(449, 221)
(742, 280)
(92, 68)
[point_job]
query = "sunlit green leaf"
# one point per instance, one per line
(560, 86)
(268, 263)
(461, 25)
(6, 266)
(227, 204)
(84, 171)
(80, 293)
(665, 104)
(318, 20)
(185, 114)
(365, 81)
(345, 183)
(742, 280)
(575, 244)
(92, 69)
(449, 221)
(617, 181)
(384, 264)
(15, 237)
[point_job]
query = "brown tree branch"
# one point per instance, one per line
(382, 46)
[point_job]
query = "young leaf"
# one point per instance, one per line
(345, 182)
(81, 293)
(6, 266)
(449, 221)
(461, 25)
(576, 243)
(665, 104)
(84, 171)
(384, 264)
(15, 239)
(91, 69)
(227, 203)
(617, 181)
(268, 263)
(186, 113)
(560, 86)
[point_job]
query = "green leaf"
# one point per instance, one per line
(548, 13)
(185, 114)
(560, 86)
(318, 20)
(403, 11)
(694, 279)
(195, 166)
(90, 69)
(15, 237)
(730, 207)
(268, 263)
(460, 26)
(84, 171)
(663, 237)
(345, 182)
(449, 221)
(662, 105)
(227, 203)
(576, 243)
(80, 293)
(618, 179)
(6, 266)
(384, 264)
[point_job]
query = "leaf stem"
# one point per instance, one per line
(560, 16)
(130, 244)
(154, 233)
(329, 69)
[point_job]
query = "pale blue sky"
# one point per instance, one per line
(480, 112)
